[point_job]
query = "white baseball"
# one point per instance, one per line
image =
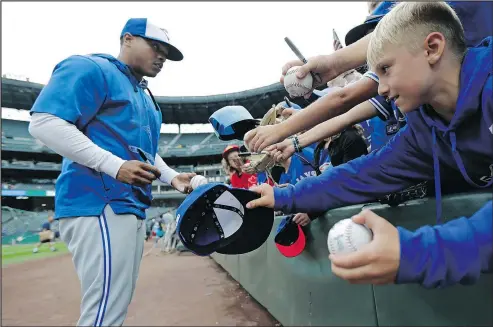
(198, 180)
(347, 236)
(297, 87)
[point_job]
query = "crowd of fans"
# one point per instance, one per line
(364, 140)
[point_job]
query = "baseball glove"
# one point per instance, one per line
(262, 161)
(258, 162)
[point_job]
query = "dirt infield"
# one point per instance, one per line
(172, 290)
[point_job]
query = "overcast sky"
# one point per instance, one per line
(228, 47)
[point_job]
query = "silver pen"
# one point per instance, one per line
(297, 52)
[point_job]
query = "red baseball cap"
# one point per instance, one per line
(290, 239)
(230, 148)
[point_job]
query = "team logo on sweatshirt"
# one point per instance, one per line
(306, 174)
(486, 179)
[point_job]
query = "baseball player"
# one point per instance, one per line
(46, 235)
(95, 112)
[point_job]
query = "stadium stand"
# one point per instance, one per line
(20, 226)
(29, 169)
(16, 137)
(176, 110)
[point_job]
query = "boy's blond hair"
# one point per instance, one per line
(409, 23)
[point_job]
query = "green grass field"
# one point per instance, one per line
(24, 252)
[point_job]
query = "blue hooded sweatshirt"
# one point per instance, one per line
(423, 150)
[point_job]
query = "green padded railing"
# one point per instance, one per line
(302, 290)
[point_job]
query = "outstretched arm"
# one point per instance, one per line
(327, 107)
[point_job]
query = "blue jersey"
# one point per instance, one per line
(103, 99)
(301, 167)
(262, 177)
(388, 122)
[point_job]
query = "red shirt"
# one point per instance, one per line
(244, 180)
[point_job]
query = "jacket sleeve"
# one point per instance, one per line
(444, 255)
(399, 164)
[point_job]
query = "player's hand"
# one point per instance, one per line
(137, 173)
(324, 65)
(266, 199)
(376, 262)
(281, 151)
(301, 219)
(259, 138)
(181, 182)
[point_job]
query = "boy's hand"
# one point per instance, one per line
(281, 151)
(267, 197)
(301, 219)
(375, 263)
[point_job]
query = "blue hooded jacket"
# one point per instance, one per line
(101, 97)
(425, 149)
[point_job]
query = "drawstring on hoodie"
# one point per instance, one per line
(460, 164)
(143, 84)
(436, 170)
(152, 97)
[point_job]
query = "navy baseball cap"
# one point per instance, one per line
(232, 122)
(290, 239)
(143, 28)
(370, 22)
(214, 218)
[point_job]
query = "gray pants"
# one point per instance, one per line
(106, 252)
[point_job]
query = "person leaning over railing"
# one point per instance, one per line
(420, 55)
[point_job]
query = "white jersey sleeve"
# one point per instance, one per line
(68, 141)
(167, 173)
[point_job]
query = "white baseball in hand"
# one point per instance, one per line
(347, 236)
(197, 180)
(297, 87)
